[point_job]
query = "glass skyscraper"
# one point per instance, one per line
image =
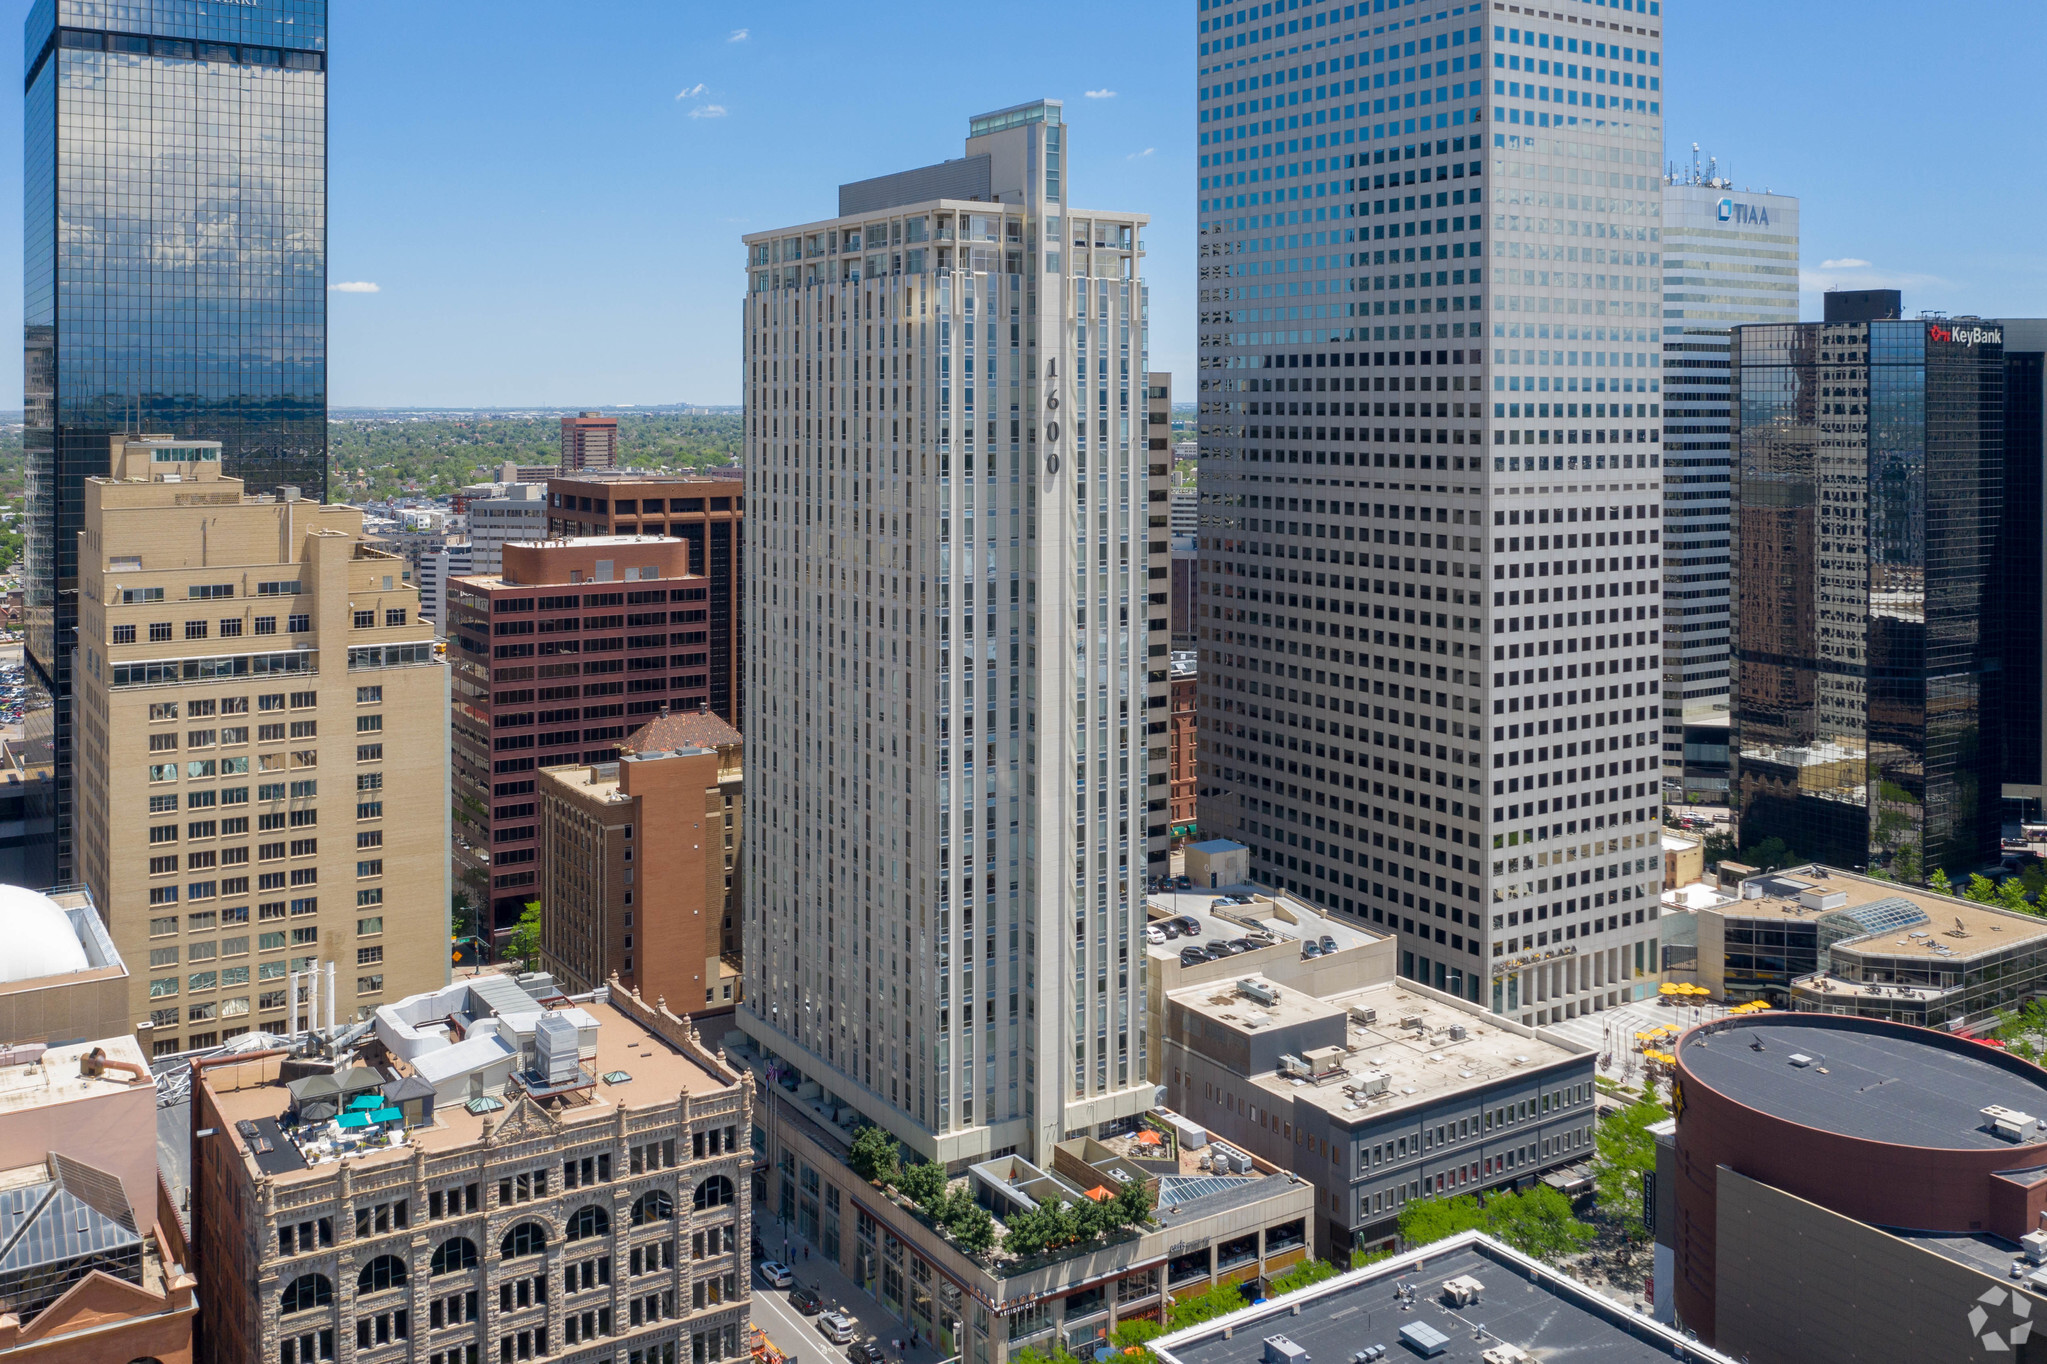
(175, 271)
(1868, 478)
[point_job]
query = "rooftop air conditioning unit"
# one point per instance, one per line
(554, 1049)
(1364, 1017)
(2009, 1124)
(1457, 1032)
(1295, 1066)
(1374, 1082)
(2034, 1243)
(1265, 994)
(1462, 1291)
(1411, 1021)
(1280, 1350)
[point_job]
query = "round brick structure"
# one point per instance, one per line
(1873, 1120)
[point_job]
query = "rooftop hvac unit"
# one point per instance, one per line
(1462, 1291)
(2034, 1243)
(2008, 1123)
(1507, 1354)
(1295, 1066)
(1374, 1082)
(1280, 1350)
(1457, 1032)
(554, 1049)
(1424, 1339)
(1364, 1017)
(1411, 1021)
(1265, 994)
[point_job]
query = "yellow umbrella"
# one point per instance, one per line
(1668, 988)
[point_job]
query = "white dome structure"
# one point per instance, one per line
(39, 938)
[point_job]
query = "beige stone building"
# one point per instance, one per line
(262, 752)
(548, 1176)
(638, 866)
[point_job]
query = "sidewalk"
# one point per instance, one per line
(839, 1291)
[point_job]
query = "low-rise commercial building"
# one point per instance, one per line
(556, 659)
(638, 865)
(497, 1173)
(1820, 939)
(1462, 1300)
(1216, 1222)
(95, 1265)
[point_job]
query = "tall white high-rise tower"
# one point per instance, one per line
(948, 612)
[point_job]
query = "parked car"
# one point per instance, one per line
(776, 1274)
(1189, 925)
(1216, 949)
(1192, 956)
(1328, 944)
(865, 1352)
(760, 1252)
(1240, 946)
(1154, 935)
(836, 1327)
(805, 1300)
(1310, 948)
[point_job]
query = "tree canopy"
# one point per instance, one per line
(1623, 1151)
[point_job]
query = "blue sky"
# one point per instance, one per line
(548, 197)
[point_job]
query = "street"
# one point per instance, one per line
(797, 1335)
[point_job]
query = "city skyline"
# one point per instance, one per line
(469, 318)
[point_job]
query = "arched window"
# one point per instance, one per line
(386, 1271)
(528, 1238)
(653, 1206)
(714, 1192)
(453, 1255)
(590, 1221)
(305, 1292)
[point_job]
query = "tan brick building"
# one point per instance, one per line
(638, 860)
(551, 1177)
(249, 674)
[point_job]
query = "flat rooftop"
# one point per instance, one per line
(251, 1091)
(1422, 1061)
(1904, 921)
(1288, 919)
(1868, 1080)
(1518, 1303)
(54, 1079)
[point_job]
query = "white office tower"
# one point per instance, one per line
(1430, 583)
(455, 560)
(1729, 257)
(501, 514)
(947, 610)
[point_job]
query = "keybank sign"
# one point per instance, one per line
(1748, 215)
(1965, 336)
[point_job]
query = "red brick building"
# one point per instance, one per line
(554, 662)
(1180, 761)
(704, 512)
(589, 441)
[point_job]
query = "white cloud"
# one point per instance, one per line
(1845, 263)
(708, 111)
(739, 35)
(1138, 156)
(693, 91)
(1104, 93)
(354, 286)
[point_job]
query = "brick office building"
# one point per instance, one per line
(703, 512)
(575, 645)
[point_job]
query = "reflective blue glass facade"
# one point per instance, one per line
(175, 260)
(1868, 489)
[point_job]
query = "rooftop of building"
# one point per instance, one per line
(1514, 1310)
(1866, 1078)
(679, 731)
(50, 937)
(1885, 917)
(1228, 913)
(644, 476)
(35, 1077)
(1401, 1045)
(480, 1029)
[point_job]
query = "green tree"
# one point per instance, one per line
(922, 1183)
(1770, 854)
(1031, 1354)
(525, 940)
(1719, 847)
(1905, 862)
(1538, 1223)
(1134, 1203)
(873, 1155)
(1302, 1275)
(1431, 1219)
(2011, 895)
(1623, 1151)
(1360, 1258)
(1133, 1334)
(1981, 889)
(1219, 1301)
(1939, 884)
(967, 1222)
